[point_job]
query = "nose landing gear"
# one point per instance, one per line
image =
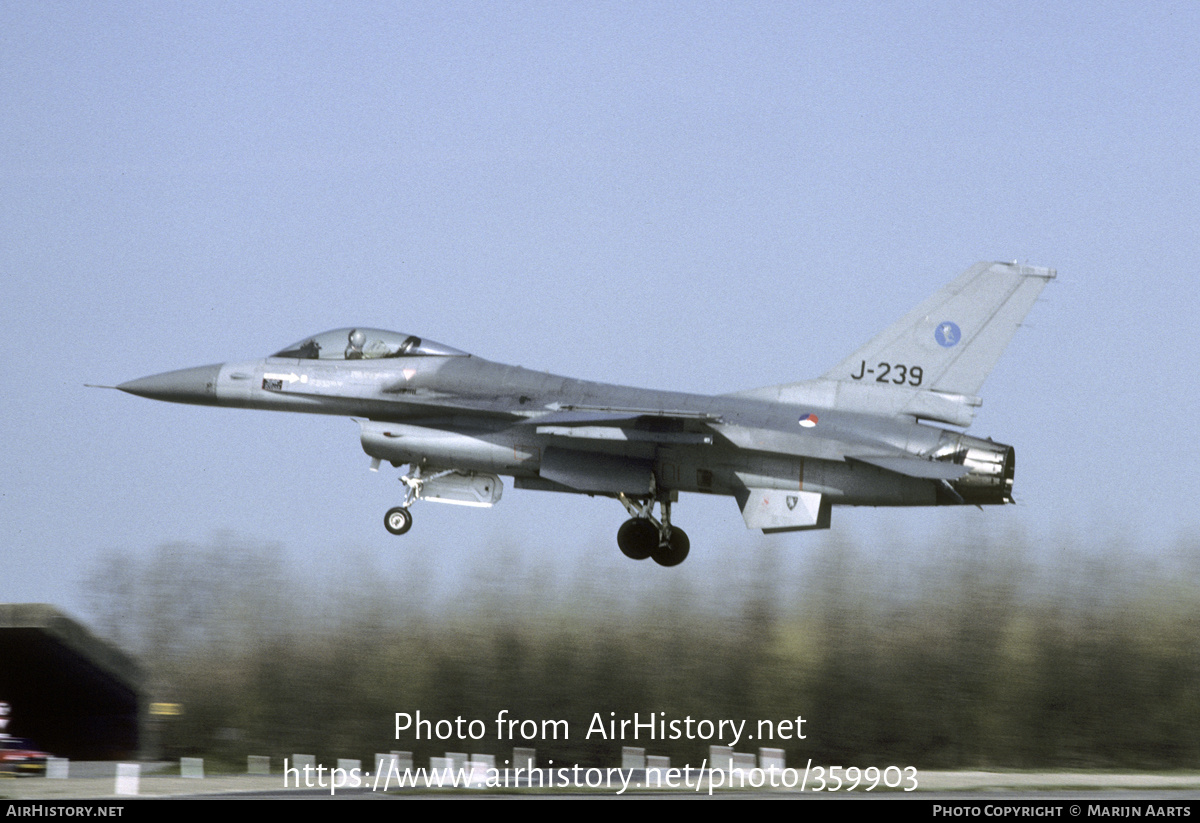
(398, 520)
(463, 488)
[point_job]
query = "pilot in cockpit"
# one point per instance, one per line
(357, 340)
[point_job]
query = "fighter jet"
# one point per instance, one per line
(869, 432)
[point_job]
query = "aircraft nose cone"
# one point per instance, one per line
(198, 385)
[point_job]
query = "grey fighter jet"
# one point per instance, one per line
(865, 433)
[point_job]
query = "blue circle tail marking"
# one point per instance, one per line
(947, 334)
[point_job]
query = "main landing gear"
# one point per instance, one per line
(642, 536)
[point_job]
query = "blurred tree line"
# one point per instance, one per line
(958, 655)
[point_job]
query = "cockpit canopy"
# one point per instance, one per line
(360, 343)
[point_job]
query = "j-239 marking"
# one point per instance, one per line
(904, 374)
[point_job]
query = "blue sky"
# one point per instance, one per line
(700, 197)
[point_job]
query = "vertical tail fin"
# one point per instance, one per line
(951, 342)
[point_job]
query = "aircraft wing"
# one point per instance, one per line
(674, 427)
(431, 403)
(578, 414)
(609, 429)
(611, 423)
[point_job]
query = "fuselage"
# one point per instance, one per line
(463, 412)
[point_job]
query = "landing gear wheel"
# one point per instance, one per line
(674, 550)
(398, 520)
(637, 538)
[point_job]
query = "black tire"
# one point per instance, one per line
(674, 551)
(398, 520)
(637, 538)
